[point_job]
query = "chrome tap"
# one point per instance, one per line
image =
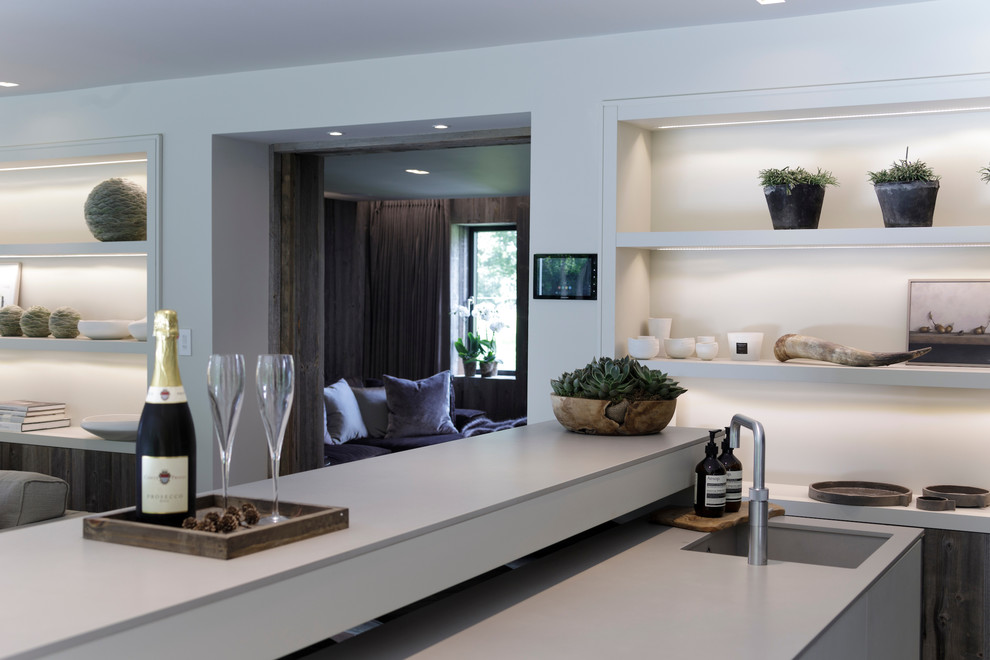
(758, 495)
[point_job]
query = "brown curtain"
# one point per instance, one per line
(406, 328)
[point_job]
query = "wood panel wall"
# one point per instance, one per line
(98, 480)
(955, 595)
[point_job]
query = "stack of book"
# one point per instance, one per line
(32, 415)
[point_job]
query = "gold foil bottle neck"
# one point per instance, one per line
(166, 323)
(166, 369)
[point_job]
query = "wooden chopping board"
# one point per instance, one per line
(684, 516)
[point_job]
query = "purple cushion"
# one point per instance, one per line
(418, 407)
(374, 409)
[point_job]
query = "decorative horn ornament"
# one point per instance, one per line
(800, 346)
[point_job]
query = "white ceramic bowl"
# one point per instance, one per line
(139, 329)
(745, 345)
(706, 350)
(704, 339)
(679, 347)
(120, 428)
(643, 347)
(104, 329)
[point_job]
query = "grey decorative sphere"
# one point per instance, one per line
(34, 321)
(10, 321)
(64, 323)
(117, 210)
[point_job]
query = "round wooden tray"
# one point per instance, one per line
(860, 493)
(961, 495)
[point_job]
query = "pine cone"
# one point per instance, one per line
(251, 515)
(206, 525)
(189, 523)
(234, 511)
(228, 523)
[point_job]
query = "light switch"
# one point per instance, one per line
(185, 342)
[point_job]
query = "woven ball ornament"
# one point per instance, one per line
(10, 321)
(64, 323)
(34, 321)
(117, 210)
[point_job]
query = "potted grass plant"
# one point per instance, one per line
(985, 174)
(906, 192)
(795, 196)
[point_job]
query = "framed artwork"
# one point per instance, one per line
(565, 276)
(10, 283)
(953, 317)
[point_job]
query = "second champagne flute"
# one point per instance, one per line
(275, 378)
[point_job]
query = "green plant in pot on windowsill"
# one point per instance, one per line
(795, 196)
(614, 397)
(489, 363)
(470, 351)
(906, 192)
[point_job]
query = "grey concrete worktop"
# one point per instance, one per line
(420, 521)
(632, 592)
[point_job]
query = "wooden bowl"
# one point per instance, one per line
(597, 417)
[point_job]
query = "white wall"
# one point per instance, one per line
(562, 84)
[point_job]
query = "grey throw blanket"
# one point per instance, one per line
(481, 425)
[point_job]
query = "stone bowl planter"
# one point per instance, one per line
(598, 417)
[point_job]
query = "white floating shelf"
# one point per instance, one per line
(806, 238)
(78, 345)
(906, 375)
(88, 249)
(69, 437)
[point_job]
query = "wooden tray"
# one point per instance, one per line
(685, 517)
(961, 495)
(860, 493)
(305, 522)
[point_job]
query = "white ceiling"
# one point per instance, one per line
(56, 45)
(60, 45)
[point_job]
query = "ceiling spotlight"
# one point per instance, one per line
(334, 133)
(440, 127)
(417, 171)
(9, 84)
(771, 2)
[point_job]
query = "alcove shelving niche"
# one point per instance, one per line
(43, 189)
(687, 234)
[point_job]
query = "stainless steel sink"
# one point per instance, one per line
(803, 543)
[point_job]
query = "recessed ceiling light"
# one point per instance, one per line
(417, 171)
(9, 84)
(770, 2)
(334, 133)
(440, 127)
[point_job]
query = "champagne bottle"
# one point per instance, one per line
(166, 439)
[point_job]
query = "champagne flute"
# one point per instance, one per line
(225, 386)
(275, 377)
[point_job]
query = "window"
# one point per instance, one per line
(488, 289)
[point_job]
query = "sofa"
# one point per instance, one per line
(30, 497)
(373, 418)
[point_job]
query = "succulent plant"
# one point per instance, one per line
(985, 174)
(614, 380)
(793, 177)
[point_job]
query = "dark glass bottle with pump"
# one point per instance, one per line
(709, 482)
(166, 439)
(733, 476)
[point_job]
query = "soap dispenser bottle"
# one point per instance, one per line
(733, 476)
(709, 481)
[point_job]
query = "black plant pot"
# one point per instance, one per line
(907, 203)
(799, 207)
